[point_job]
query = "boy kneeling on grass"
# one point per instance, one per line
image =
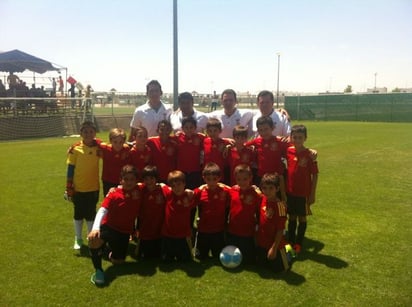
(114, 222)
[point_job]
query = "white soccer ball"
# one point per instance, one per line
(230, 257)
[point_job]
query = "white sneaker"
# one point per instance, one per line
(78, 243)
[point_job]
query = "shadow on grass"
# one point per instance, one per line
(311, 251)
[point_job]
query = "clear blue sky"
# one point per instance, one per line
(324, 45)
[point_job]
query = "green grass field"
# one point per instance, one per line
(357, 252)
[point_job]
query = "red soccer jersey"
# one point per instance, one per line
(152, 212)
(235, 157)
(123, 208)
(301, 167)
(164, 155)
(177, 215)
(212, 205)
(244, 205)
(213, 151)
(190, 148)
(269, 155)
(272, 218)
(113, 161)
(140, 158)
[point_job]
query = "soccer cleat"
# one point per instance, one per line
(78, 243)
(97, 278)
(297, 248)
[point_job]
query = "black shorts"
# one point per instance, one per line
(118, 241)
(297, 205)
(107, 186)
(85, 205)
(213, 242)
(279, 264)
(193, 180)
(149, 248)
(176, 249)
(246, 246)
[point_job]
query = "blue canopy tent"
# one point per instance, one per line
(18, 61)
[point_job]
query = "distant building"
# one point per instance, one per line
(377, 90)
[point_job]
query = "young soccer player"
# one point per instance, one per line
(115, 155)
(115, 222)
(244, 206)
(270, 242)
(140, 153)
(190, 152)
(151, 214)
(82, 183)
(301, 185)
(212, 200)
(270, 150)
(164, 150)
(214, 147)
(239, 153)
(177, 226)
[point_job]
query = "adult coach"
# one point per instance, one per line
(186, 109)
(280, 117)
(230, 116)
(152, 112)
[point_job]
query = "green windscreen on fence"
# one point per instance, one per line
(393, 107)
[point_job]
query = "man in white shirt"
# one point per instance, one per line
(230, 116)
(152, 112)
(281, 121)
(186, 109)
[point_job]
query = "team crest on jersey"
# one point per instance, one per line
(170, 151)
(247, 200)
(303, 162)
(269, 212)
(135, 195)
(274, 146)
(159, 199)
(124, 155)
(222, 195)
(196, 141)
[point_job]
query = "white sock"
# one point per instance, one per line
(89, 226)
(78, 227)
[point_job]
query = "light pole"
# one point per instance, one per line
(277, 87)
(375, 82)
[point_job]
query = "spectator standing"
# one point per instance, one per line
(61, 85)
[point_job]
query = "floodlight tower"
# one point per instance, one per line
(277, 86)
(175, 58)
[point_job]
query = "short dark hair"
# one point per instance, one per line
(240, 131)
(155, 83)
(185, 96)
(88, 124)
(150, 171)
(270, 179)
(264, 120)
(189, 119)
(229, 91)
(128, 169)
(211, 168)
(164, 122)
(214, 122)
(299, 129)
(265, 93)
